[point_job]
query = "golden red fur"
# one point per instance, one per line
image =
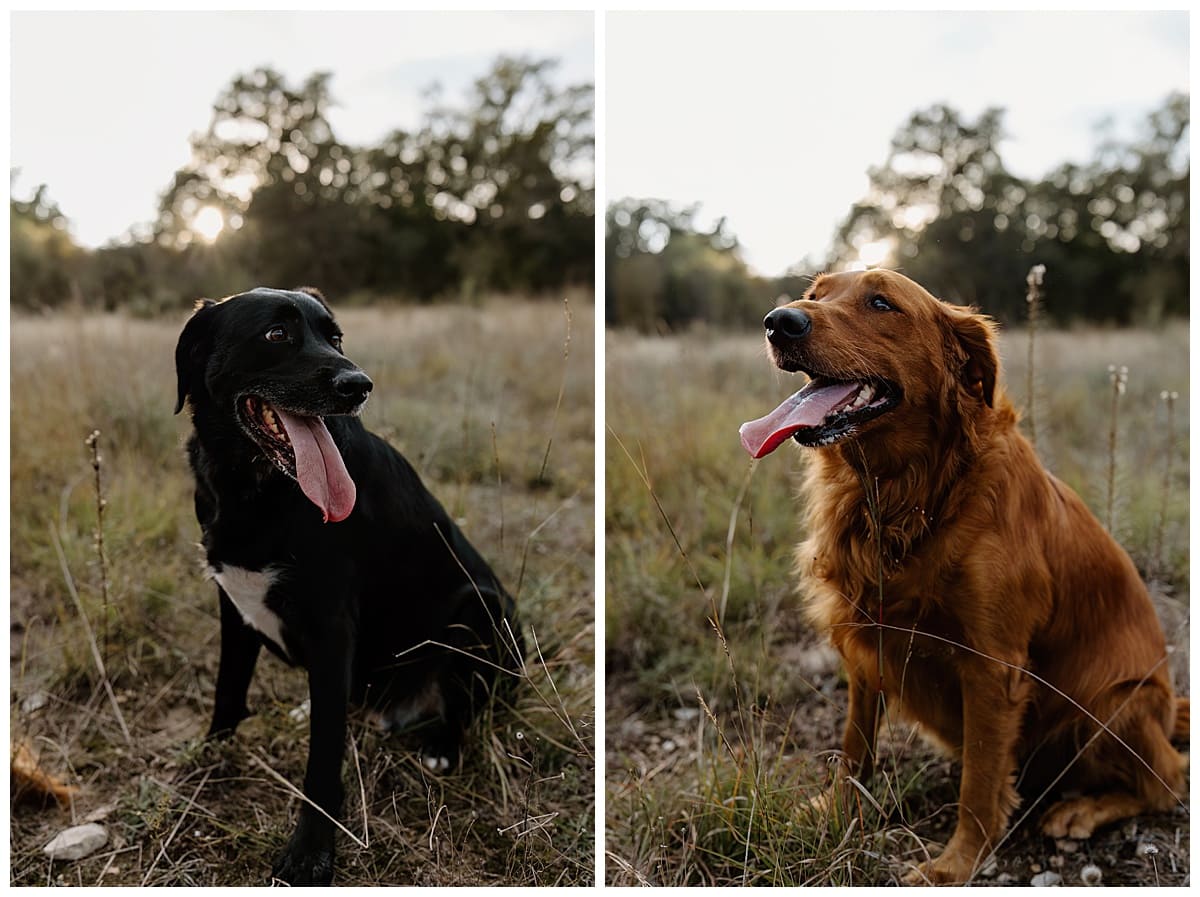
(964, 584)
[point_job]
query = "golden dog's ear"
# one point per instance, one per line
(975, 335)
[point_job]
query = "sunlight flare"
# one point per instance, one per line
(208, 223)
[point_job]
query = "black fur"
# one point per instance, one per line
(378, 608)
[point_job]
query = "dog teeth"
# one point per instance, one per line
(862, 398)
(272, 422)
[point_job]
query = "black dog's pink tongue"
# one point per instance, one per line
(806, 408)
(319, 467)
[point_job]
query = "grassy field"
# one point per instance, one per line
(472, 397)
(716, 737)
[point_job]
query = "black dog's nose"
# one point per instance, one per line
(352, 384)
(785, 324)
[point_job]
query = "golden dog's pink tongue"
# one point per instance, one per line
(806, 408)
(319, 467)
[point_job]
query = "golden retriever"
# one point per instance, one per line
(963, 584)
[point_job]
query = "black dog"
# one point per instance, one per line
(327, 548)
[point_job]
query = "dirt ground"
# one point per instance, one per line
(1147, 851)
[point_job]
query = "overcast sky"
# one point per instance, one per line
(772, 119)
(103, 104)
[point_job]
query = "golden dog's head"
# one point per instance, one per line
(884, 358)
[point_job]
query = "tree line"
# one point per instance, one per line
(495, 194)
(1113, 232)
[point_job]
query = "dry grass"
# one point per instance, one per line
(717, 736)
(472, 397)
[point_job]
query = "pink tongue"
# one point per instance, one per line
(319, 466)
(806, 408)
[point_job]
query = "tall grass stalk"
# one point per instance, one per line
(1118, 377)
(1169, 398)
(93, 443)
(91, 636)
(1033, 297)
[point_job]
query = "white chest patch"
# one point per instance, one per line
(247, 589)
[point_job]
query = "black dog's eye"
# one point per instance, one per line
(879, 303)
(336, 341)
(276, 335)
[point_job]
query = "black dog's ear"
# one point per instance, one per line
(189, 351)
(976, 336)
(316, 294)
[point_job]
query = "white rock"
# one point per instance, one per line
(76, 842)
(1046, 880)
(1090, 875)
(35, 702)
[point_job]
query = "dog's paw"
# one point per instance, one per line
(953, 867)
(1073, 818)
(304, 863)
(937, 872)
(838, 798)
(435, 762)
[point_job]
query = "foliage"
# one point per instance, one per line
(42, 257)
(661, 267)
(1113, 232)
(495, 194)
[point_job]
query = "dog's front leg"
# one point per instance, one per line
(308, 857)
(239, 653)
(992, 708)
(858, 742)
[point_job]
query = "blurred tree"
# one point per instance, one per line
(494, 194)
(1113, 233)
(44, 262)
(497, 195)
(665, 272)
(516, 166)
(945, 207)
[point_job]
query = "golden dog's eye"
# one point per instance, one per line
(879, 303)
(276, 335)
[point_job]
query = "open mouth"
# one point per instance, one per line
(301, 446)
(825, 411)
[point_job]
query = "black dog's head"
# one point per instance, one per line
(269, 364)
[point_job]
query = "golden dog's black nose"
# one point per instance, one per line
(786, 324)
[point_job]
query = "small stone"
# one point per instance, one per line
(1035, 867)
(101, 812)
(1046, 880)
(35, 702)
(1005, 878)
(1057, 861)
(685, 714)
(301, 712)
(668, 746)
(76, 842)
(990, 869)
(1066, 845)
(1090, 874)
